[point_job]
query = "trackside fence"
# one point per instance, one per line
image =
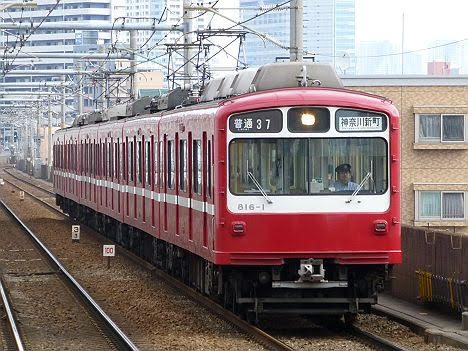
(434, 268)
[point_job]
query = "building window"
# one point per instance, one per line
(436, 128)
(441, 205)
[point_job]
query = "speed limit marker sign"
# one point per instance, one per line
(75, 233)
(108, 250)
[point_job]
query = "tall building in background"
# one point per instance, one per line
(61, 41)
(56, 41)
(329, 32)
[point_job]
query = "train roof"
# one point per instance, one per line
(267, 77)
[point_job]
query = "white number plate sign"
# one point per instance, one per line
(108, 250)
(75, 232)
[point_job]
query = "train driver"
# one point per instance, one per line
(343, 178)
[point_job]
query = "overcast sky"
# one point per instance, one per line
(425, 21)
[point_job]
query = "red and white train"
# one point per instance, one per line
(238, 195)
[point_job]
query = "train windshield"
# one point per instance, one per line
(308, 166)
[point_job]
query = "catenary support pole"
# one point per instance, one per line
(296, 14)
(49, 133)
(133, 47)
(188, 40)
(62, 120)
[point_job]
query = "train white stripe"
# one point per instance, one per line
(183, 201)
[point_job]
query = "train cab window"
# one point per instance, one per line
(197, 167)
(208, 169)
(139, 161)
(183, 165)
(148, 163)
(303, 166)
(130, 162)
(170, 164)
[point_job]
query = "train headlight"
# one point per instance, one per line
(308, 119)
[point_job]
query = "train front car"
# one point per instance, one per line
(311, 198)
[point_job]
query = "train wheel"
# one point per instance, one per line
(349, 319)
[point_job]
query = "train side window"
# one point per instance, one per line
(148, 163)
(197, 167)
(110, 168)
(104, 159)
(161, 164)
(208, 169)
(183, 165)
(130, 162)
(116, 159)
(170, 164)
(139, 162)
(85, 161)
(91, 158)
(155, 161)
(123, 163)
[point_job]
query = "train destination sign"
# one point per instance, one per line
(359, 121)
(268, 121)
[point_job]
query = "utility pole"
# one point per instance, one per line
(188, 41)
(62, 121)
(133, 47)
(296, 14)
(49, 134)
(80, 91)
(38, 132)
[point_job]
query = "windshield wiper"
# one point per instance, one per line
(259, 187)
(353, 195)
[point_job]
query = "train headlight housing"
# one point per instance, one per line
(308, 119)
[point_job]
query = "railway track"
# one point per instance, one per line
(267, 340)
(41, 268)
(11, 338)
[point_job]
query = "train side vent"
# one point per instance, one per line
(140, 106)
(295, 74)
(172, 99)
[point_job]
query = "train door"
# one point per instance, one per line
(115, 176)
(148, 182)
(131, 190)
(140, 190)
(95, 164)
(197, 206)
(109, 171)
(162, 210)
(170, 204)
(155, 183)
(183, 199)
(208, 234)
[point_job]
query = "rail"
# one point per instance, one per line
(117, 334)
(11, 319)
